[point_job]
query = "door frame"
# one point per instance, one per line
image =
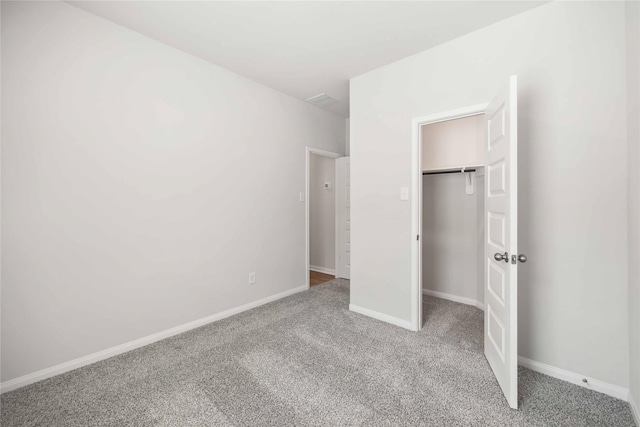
(307, 240)
(416, 200)
(339, 188)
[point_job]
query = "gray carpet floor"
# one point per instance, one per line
(307, 361)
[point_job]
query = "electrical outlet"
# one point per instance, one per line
(252, 278)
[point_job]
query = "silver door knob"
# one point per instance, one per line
(522, 258)
(501, 257)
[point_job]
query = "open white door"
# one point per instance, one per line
(501, 246)
(343, 220)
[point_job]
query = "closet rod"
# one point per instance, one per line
(449, 171)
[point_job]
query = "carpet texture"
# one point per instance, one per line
(307, 361)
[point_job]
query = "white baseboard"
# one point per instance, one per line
(381, 316)
(552, 371)
(575, 378)
(635, 410)
(454, 298)
(322, 270)
(132, 345)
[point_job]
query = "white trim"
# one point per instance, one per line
(454, 298)
(634, 409)
(140, 342)
(340, 193)
(575, 378)
(416, 226)
(309, 152)
(416, 201)
(381, 316)
(336, 221)
(472, 110)
(322, 270)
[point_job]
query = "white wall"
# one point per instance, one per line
(453, 236)
(453, 143)
(633, 138)
(140, 186)
(570, 61)
(322, 212)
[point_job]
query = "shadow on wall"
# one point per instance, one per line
(527, 163)
(453, 230)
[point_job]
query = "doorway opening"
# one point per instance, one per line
(453, 210)
(448, 163)
(320, 213)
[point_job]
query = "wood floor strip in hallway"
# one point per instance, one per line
(316, 278)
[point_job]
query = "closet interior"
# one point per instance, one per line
(453, 209)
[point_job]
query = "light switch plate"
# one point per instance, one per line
(404, 193)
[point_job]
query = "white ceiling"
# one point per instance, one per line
(304, 48)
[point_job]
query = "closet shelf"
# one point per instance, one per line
(459, 169)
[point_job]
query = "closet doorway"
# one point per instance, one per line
(453, 210)
(464, 219)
